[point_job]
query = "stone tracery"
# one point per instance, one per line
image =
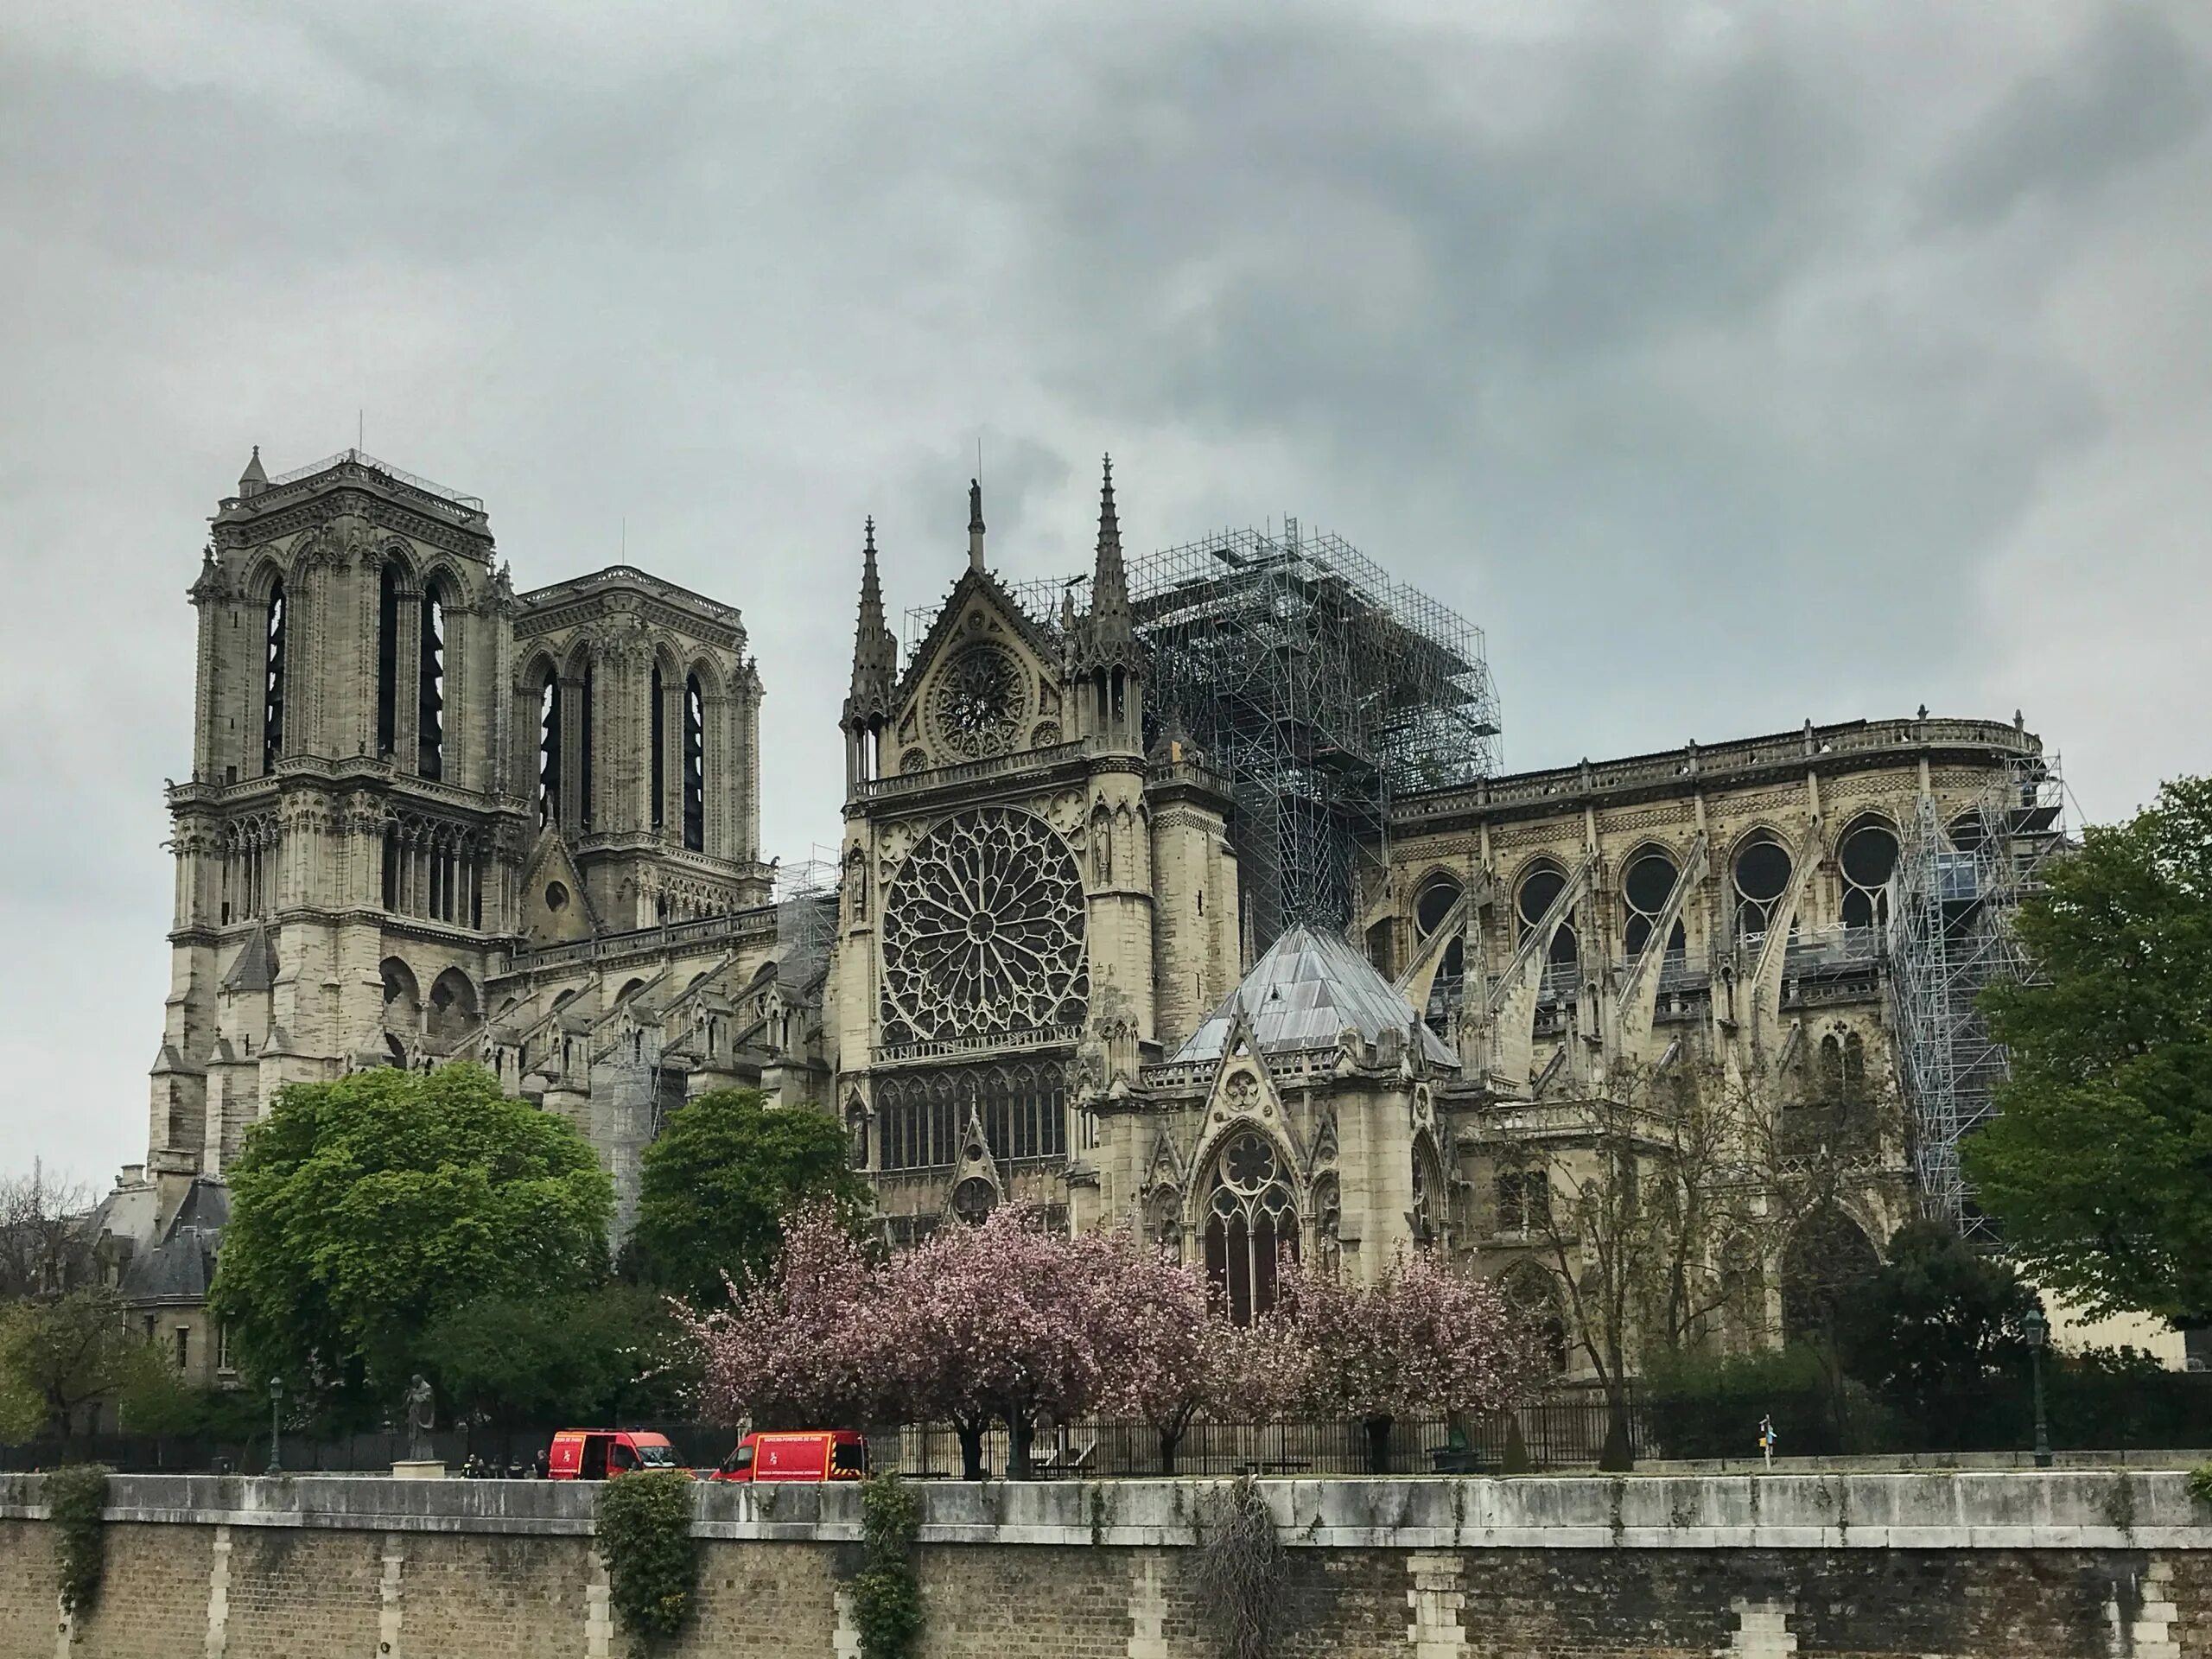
(983, 933)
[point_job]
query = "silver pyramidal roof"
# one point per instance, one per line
(1305, 993)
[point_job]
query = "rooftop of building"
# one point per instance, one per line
(1309, 988)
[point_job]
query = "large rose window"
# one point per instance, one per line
(979, 701)
(982, 933)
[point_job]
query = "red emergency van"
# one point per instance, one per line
(804, 1455)
(603, 1453)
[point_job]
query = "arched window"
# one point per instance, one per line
(1762, 876)
(272, 680)
(430, 687)
(549, 748)
(1433, 903)
(1251, 1220)
(1828, 1256)
(1531, 1292)
(584, 755)
(1831, 1068)
(388, 580)
(403, 1002)
(1854, 1067)
(694, 766)
(452, 1005)
(1646, 887)
(660, 753)
(1540, 889)
(1868, 855)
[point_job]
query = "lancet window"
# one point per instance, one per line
(272, 682)
(1251, 1223)
(1021, 1104)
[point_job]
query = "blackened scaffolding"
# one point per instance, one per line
(1960, 883)
(1320, 687)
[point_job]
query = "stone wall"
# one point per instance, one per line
(2062, 1563)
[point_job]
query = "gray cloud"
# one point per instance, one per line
(1728, 365)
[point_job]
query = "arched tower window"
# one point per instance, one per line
(694, 766)
(660, 754)
(272, 682)
(430, 686)
(1251, 1220)
(549, 748)
(584, 756)
(388, 658)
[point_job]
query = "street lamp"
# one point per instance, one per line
(276, 1398)
(2038, 1329)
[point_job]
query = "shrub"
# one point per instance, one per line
(2200, 1483)
(74, 1499)
(652, 1560)
(886, 1595)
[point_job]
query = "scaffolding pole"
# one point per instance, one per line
(1320, 687)
(1959, 885)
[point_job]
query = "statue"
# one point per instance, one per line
(421, 1417)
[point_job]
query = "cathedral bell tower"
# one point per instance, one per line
(344, 792)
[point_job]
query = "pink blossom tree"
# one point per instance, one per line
(1159, 1343)
(999, 1320)
(1423, 1338)
(803, 1345)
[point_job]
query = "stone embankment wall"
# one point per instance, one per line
(2061, 1563)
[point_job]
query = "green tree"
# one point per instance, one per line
(2100, 1170)
(58, 1358)
(363, 1210)
(1936, 1324)
(608, 1355)
(714, 1189)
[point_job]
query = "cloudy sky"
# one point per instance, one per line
(1730, 363)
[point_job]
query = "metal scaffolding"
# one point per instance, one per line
(1320, 687)
(1959, 885)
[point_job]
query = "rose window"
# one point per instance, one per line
(979, 702)
(983, 932)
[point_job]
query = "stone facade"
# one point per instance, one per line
(1944, 1567)
(429, 817)
(1534, 957)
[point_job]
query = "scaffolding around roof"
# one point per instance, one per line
(1320, 687)
(1959, 886)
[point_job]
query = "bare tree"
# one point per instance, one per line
(46, 1248)
(1667, 1200)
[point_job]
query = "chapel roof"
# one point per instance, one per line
(1305, 993)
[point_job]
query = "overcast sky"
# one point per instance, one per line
(1731, 365)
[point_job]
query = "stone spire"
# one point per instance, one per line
(876, 649)
(253, 480)
(974, 523)
(1109, 581)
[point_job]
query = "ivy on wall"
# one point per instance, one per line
(74, 1499)
(652, 1560)
(887, 1594)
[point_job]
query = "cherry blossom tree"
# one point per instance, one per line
(1160, 1350)
(997, 1321)
(1424, 1338)
(805, 1343)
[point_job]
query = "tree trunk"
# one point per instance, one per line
(1619, 1454)
(1378, 1445)
(1169, 1440)
(971, 1450)
(1021, 1430)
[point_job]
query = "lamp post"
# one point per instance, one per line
(2038, 1329)
(276, 1398)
